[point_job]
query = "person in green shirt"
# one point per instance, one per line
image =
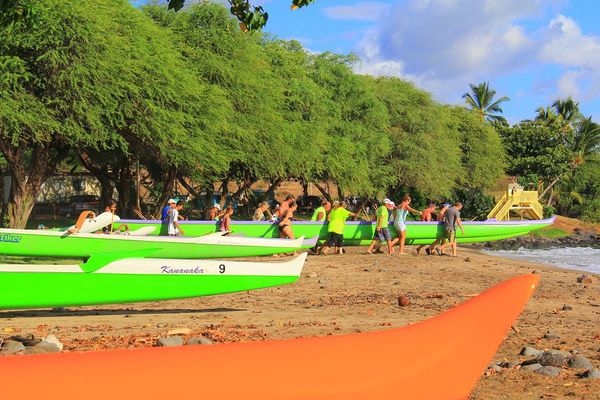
(337, 222)
(382, 231)
(320, 213)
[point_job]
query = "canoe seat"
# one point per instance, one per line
(82, 218)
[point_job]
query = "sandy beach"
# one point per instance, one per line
(355, 292)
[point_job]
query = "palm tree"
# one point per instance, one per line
(481, 101)
(568, 109)
(586, 144)
(545, 114)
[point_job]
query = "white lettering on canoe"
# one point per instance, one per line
(9, 238)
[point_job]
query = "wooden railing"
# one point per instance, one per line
(526, 202)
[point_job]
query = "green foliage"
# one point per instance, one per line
(424, 147)
(250, 17)
(482, 152)
(356, 126)
(534, 148)
(476, 204)
(548, 211)
(14, 11)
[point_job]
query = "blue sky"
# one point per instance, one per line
(533, 51)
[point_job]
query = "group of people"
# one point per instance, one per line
(336, 215)
(448, 216)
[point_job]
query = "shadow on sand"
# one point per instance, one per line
(60, 312)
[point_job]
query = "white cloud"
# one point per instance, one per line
(443, 45)
(565, 45)
(363, 11)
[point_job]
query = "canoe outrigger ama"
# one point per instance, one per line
(358, 232)
(51, 243)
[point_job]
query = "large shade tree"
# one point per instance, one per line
(62, 97)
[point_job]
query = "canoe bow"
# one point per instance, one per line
(440, 358)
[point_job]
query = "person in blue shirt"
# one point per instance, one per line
(165, 211)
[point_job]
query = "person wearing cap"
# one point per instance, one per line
(441, 235)
(426, 216)
(382, 231)
(164, 216)
(213, 213)
(451, 220)
(174, 229)
(261, 210)
(400, 215)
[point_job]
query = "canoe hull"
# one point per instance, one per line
(396, 363)
(135, 280)
(361, 233)
(40, 243)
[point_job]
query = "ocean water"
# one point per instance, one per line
(578, 258)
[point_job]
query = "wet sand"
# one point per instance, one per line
(355, 292)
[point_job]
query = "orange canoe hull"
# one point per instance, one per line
(440, 358)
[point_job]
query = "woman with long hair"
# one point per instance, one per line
(400, 215)
(285, 221)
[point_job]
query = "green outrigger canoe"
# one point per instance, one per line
(110, 280)
(358, 233)
(51, 243)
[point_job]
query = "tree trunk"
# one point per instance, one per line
(19, 208)
(274, 185)
(167, 183)
(124, 187)
(26, 180)
(304, 184)
(243, 188)
(188, 187)
(551, 197)
(101, 173)
(3, 206)
(323, 191)
(549, 187)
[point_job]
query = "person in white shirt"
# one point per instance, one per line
(174, 228)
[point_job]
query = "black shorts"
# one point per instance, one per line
(335, 239)
(282, 227)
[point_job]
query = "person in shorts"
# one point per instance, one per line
(337, 222)
(451, 220)
(382, 231)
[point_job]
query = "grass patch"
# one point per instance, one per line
(549, 232)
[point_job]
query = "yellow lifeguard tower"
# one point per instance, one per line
(516, 198)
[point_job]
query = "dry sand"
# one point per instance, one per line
(356, 292)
